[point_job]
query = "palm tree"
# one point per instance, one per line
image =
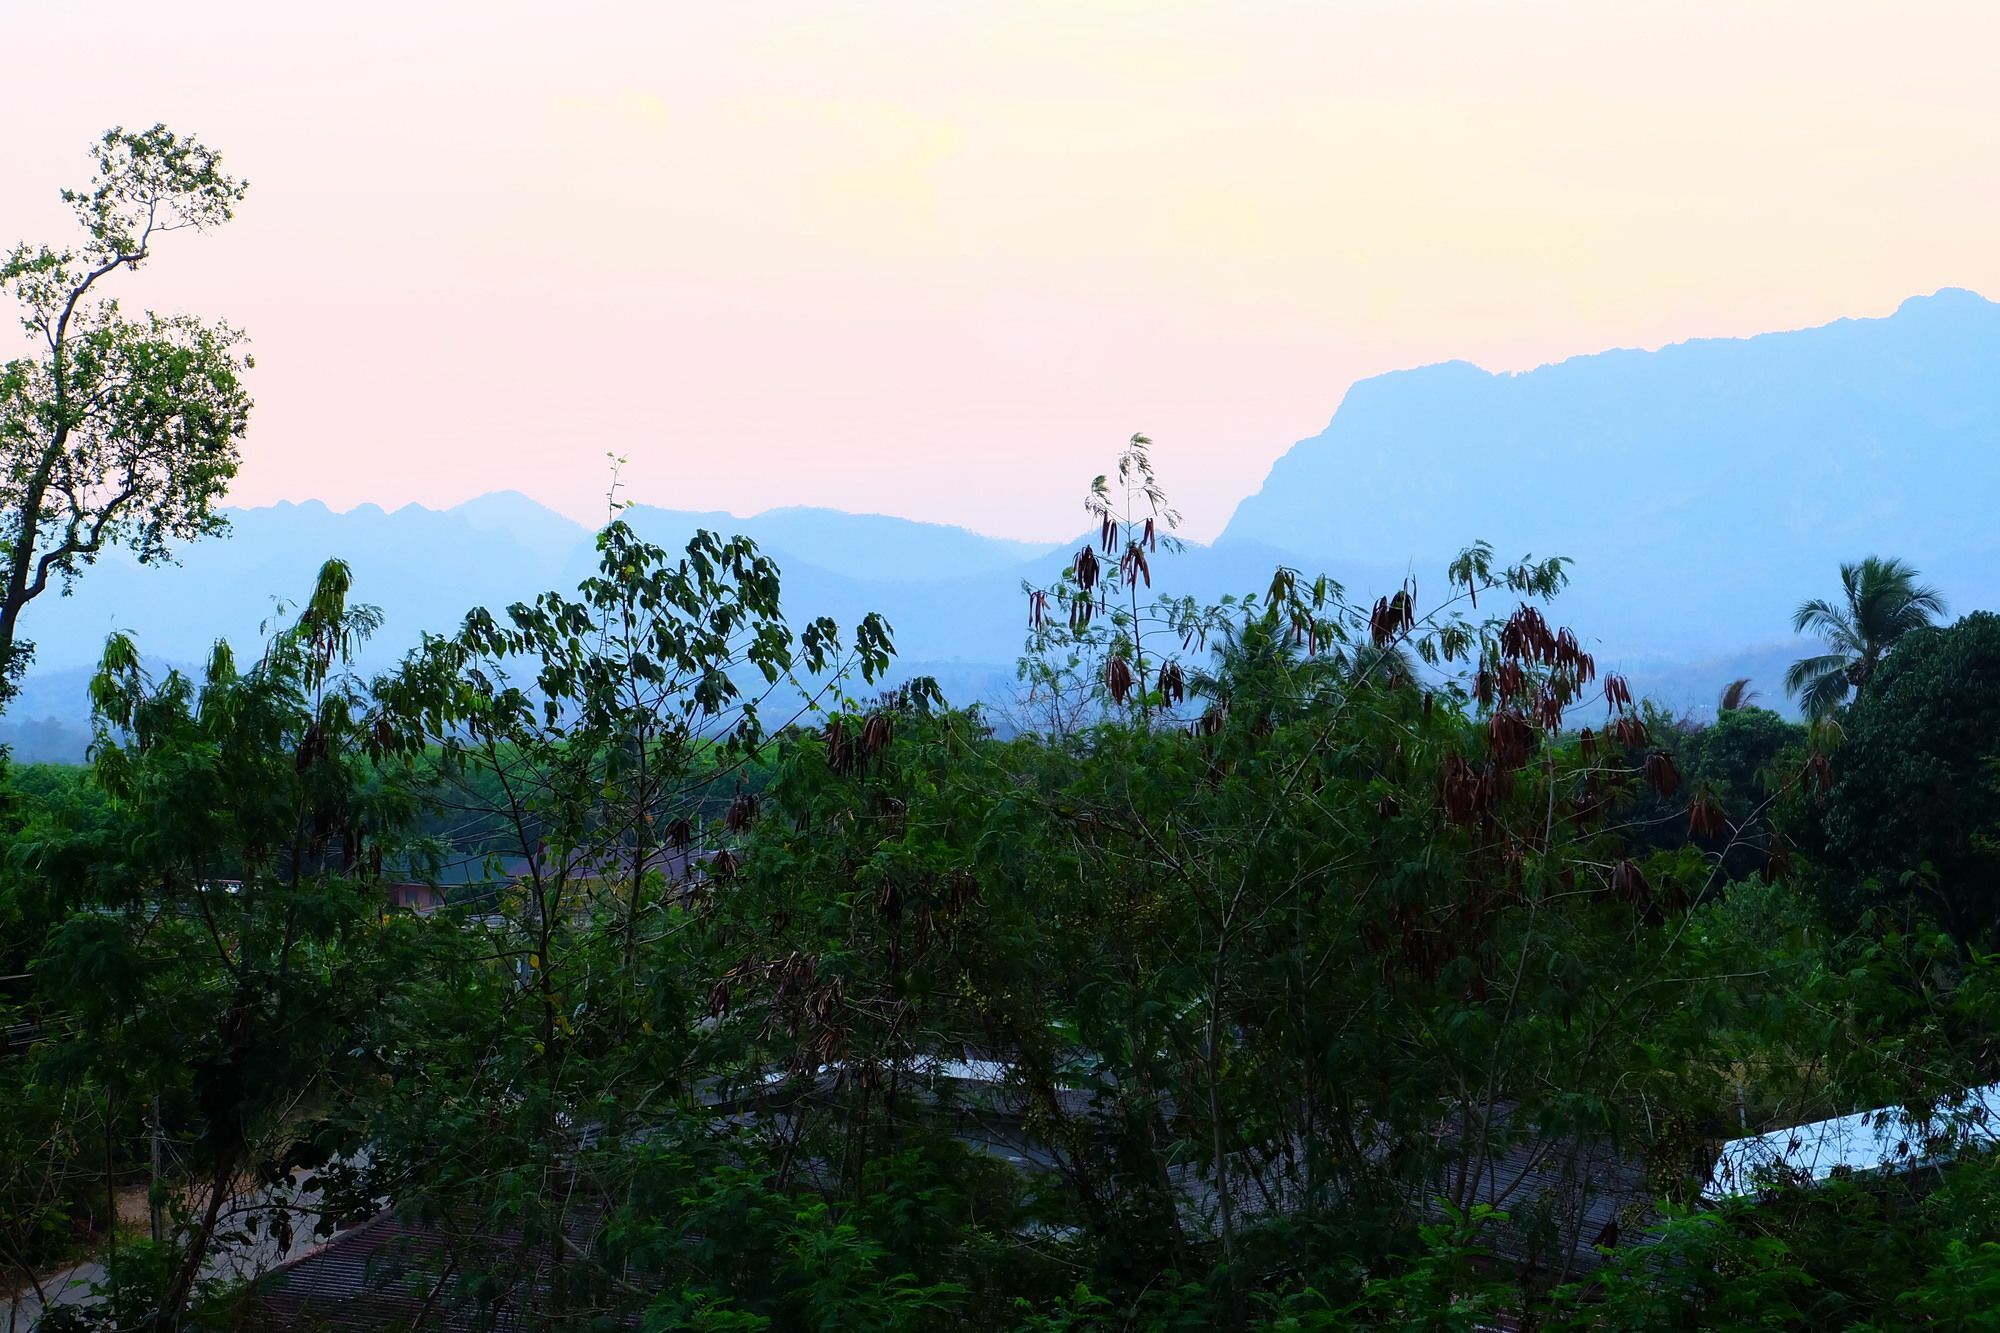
(1263, 674)
(1737, 694)
(1884, 602)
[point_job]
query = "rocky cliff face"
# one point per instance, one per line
(1704, 489)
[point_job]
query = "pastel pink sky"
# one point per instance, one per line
(939, 259)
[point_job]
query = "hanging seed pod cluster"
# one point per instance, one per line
(1097, 602)
(1527, 679)
(852, 746)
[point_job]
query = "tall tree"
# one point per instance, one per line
(113, 430)
(1881, 602)
(595, 732)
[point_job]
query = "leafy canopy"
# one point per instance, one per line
(115, 429)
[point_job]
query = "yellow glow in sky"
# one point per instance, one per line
(939, 259)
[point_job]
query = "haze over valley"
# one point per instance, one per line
(1701, 489)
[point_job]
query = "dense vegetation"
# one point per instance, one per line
(1316, 962)
(1306, 913)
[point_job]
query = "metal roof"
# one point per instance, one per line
(391, 1273)
(1885, 1140)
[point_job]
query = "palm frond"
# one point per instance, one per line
(1887, 600)
(1804, 674)
(1822, 619)
(1928, 600)
(1736, 694)
(1824, 694)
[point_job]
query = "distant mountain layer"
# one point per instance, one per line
(950, 594)
(1703, 490)
(953, 598)
(426, 568)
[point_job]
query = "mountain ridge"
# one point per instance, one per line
(1751, 466)
(1704, 489)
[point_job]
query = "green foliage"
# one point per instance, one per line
(1740, 752)
(1913, 813)
(1450, 1286)
(1744, 771)
(115, 430)
(1845, 1255)
(210, 971)
(1225, 1000)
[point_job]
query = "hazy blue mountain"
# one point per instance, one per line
(951, 594)
(50, 720)
(1703, 489)
(423, 567)
(869, 547)
(525, 522)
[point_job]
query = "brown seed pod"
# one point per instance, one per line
(1705, 819)
(1392, 616)
(1778, 859)
(1118, 679)
(742, 812)
(1549, 709)
(1629, 732)
(312, 747)
(1629, 882)
(1526, 637)
(680, 834)
(1617, 694)
(1086, 568)
(1460, 791)
(1485, 687)
(1172, 684)
(1662, 775)
(840, 754)
(1510, 738)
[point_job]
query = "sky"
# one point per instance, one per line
(940, 259)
